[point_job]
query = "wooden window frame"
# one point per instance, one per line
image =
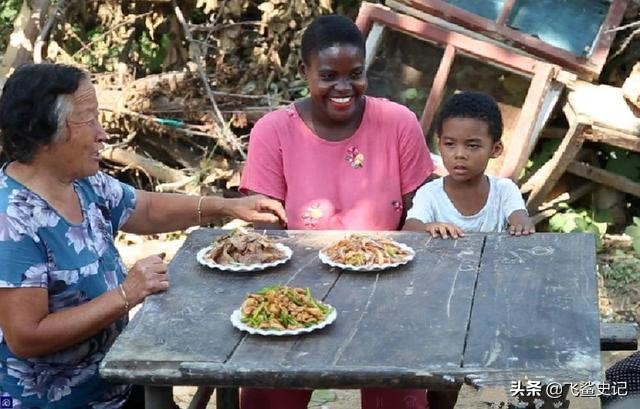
(540, 98)
(587, 68)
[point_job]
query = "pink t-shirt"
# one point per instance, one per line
(353, 184)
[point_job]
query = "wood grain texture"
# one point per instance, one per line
(486, 310)
(535, 308)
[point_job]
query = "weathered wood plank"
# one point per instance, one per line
(439, 280)
(605, 106)
(610, 179)
(429, 301)
(618, 336)
(536, 307)
(199, 304)
(432, 295)
(615, 138)
(548, 175)
(525, 135)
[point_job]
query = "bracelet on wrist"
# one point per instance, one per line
(199, 209)
(124, 297)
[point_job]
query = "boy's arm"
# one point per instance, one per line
(421, 217)
(413, 225)
(520, 223)
(515, 209)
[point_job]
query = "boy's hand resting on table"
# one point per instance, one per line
(520, 224)
(435, 229)
(444, 230)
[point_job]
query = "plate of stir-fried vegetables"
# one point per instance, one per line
(362, 252)
(242, 250)
(282, 310)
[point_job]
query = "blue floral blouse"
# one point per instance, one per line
(75, 263)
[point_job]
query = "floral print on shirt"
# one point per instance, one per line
(312, 215)
(355, 157)
(75, 263)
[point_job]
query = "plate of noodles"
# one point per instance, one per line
(281, 310)
(362, 252)
(242, 250)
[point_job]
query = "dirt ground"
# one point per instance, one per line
(618, 302)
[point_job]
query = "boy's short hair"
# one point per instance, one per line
(471, 104)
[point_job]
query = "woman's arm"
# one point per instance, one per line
(279, 225)
(407, 203)
(164, 212)
(31, 331)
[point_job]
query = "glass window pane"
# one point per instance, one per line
(568, 24)
(486, 8)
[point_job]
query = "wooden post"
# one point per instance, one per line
(523, 139)
(25, 30)
(158, 397)
(505, 12)
(227, 398)
(548, 175)
(201, 397)
(437, 87)
(604, 177)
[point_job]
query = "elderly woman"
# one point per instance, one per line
(64, 291)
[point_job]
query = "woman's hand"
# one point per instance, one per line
(257, 209)
(444, 230)
(147, 276)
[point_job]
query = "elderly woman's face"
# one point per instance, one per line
(79, 148)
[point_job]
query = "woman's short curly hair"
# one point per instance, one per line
(34, 104)
(327, 31)
(471, 104)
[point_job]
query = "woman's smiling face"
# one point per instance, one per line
(337, 81)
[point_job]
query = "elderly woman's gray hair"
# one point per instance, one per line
(34, 105)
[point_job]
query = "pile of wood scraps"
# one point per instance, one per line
(529, 56)
(596, 113)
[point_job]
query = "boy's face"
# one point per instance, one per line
(466, 147)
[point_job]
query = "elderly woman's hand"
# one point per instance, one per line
(258, 209)
(147, 276)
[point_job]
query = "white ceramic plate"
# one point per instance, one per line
(369, 267)
(243, 267)
(235, 320)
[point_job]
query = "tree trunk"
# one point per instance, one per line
(25, 30)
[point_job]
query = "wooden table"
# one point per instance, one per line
(485, 310)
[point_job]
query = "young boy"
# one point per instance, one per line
(469, 127)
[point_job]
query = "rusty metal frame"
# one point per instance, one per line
(541, 74)
(588, 68)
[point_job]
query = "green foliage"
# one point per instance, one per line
(152, 55)
(103, 55)
(621, 270)
(8, 11)
(414, 98)
(633, 231)
(544, 152)
(581, 220)
(623, 163)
